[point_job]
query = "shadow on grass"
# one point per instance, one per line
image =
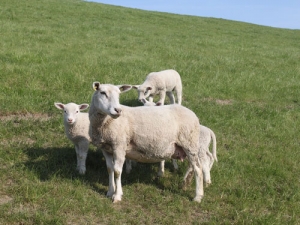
(50, 163)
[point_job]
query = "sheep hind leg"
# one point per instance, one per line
(171, 97)
(197, 167)
(188, 177)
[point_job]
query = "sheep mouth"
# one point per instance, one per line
(115, 116)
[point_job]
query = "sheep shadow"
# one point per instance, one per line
(48, 163)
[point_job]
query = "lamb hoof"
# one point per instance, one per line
(198, 199)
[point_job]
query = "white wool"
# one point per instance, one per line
(161, 83)
(144, 134)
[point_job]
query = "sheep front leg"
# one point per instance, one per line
(110, 169)
(81, 153)
(119, 159)
(162, 96)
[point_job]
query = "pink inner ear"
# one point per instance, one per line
(149, 88)
(60, 106)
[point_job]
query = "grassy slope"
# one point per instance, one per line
(242, 80)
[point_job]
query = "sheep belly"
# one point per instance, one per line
(147, 156)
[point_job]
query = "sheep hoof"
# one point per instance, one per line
(109, 194)
(116, 199)
(198, 198)
(207, 183)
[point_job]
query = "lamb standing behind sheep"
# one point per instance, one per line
(161, 83)
(206, 158)
(77, 130)
(144, 134)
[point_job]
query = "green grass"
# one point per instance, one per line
(242, 80)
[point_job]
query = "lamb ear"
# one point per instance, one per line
(59, 105)
(136, 86)
(124, 87)
(96, 85)
(149, 88)
(83, 106)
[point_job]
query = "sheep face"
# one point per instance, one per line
(143, 92)
(71, 110)
(106, 98)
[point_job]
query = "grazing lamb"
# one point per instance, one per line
(144, 134)
(77, 130)
(161, 83)
(207, 159)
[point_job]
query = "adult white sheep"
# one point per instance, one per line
(161, 83)
(77, 130)
(206, 158)
(144, 134)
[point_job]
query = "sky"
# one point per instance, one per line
(273, 13)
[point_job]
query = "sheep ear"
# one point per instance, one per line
(149, 88)
(136, 86)
(124, 87)
(59, 105)
(96, 85)
(83, 106)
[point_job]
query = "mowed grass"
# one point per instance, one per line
(242, 80)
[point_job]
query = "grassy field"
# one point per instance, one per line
(242, 80)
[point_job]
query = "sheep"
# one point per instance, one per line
(77, 130)
(144, 134)
(161, 83)
(77, 126)
(207, 159)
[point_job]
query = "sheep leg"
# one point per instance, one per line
(128, 166)
(161, 170)
(206, 169)
(119, 159)
(110, 169)
(178, 90)
(81, 153)
(206, 159)
(171, 97)
(188, 177)
(162, 96)
(150, 98)
(175, 164)
(197, 167)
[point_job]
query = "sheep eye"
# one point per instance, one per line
(77, 111)
(103, 93)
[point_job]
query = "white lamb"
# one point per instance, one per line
(144, 134)
(207, 159)
(77, 130)
(161, 83)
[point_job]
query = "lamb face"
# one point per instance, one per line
(71, 110)
(143, 91)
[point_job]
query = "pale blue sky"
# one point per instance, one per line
(274, 13)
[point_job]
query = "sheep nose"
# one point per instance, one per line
(118, 110)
